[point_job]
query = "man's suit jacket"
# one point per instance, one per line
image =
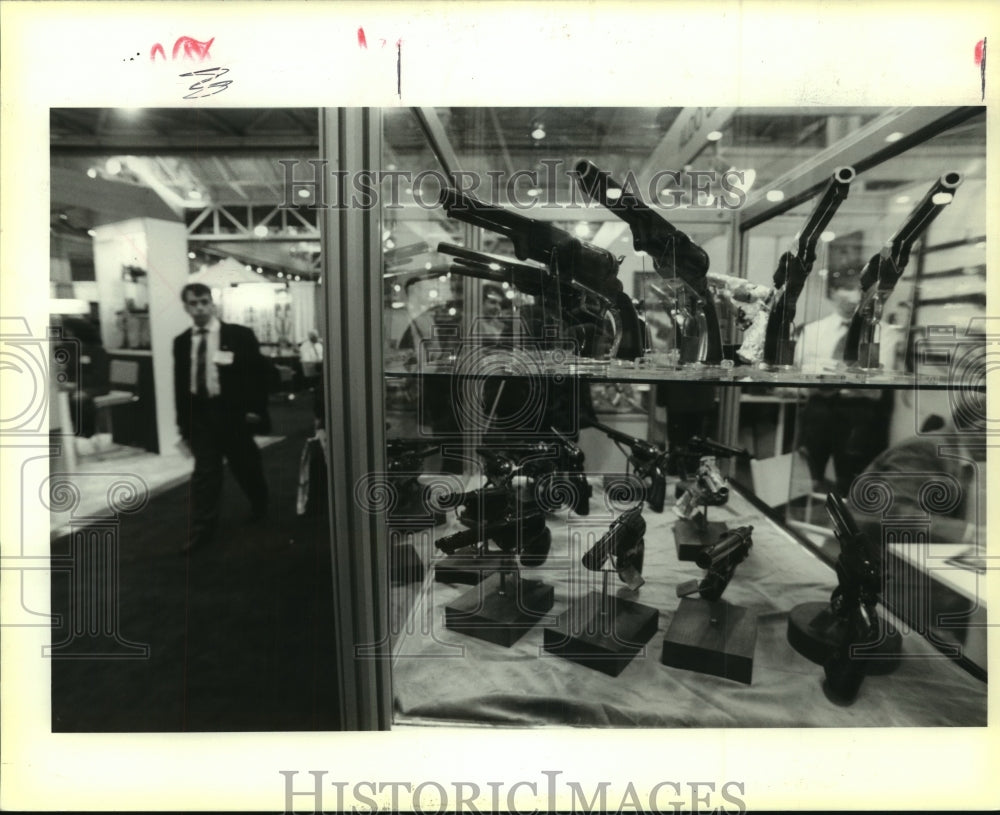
(243, 385)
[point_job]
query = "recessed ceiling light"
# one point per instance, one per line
(715, 135)
(827, 236)
(260, 231)
(427, 265)
(304, 193)
(248, 267)
(397, 287)
(281, 274)
(894, 136)
(495, 267)
(92, 233)
(433, 294)
(92, 172)
(452, 311)
(510, 294)
(775, 195)
(260, 270)
(297, 277)
(538, 133)
(191, 256)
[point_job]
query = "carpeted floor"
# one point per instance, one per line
(239, 634)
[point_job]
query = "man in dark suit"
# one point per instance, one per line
(220, 388)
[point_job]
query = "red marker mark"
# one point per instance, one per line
(362, 42)
(981, 62)
(187, 47)
(192, 48)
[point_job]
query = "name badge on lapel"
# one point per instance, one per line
(223, 358)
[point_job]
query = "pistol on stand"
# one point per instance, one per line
(883, 270)
(709, 635)
(846, 636)
(599, 629)
(504, 606)
(777, 345)
(673, 252)
(706, 488)
(648, 461)
(575, 274)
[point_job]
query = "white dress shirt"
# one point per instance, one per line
(211, 354)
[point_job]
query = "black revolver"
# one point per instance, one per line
(852, 604)
(883, 270)
(405, 458)
(673, 252)
(556, 468)
(514, 531)
(720, 560)
(581, 310)
(859, 575)
(793, 269)
(648, 461)
(623, 543)
(563, 255)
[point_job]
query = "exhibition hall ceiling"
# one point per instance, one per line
(191, 159)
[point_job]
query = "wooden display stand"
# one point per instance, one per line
(602, 631)
(713, 638)
(693, 535)
(501, 609)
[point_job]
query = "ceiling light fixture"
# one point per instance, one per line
(894, 136)
(538, 133)
(827, 236)
(304, 193)
(92, 233)
(775, 195)
(582, 230)
(941, 198)
(113, 166)
(902, 199)
(92, 172)
(194, 195)
(260, 231)
(281, 274)
(192, 255)
(715, 135)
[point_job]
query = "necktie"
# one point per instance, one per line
(201, 369)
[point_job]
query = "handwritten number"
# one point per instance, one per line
(200, 88)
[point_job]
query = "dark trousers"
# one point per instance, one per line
(217, 434)
(850, 429)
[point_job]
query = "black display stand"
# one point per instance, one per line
(501, 609)
(693, 535)
(713, 638)
(821, 636)
(602, 631)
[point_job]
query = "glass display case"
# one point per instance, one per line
(683, 415)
